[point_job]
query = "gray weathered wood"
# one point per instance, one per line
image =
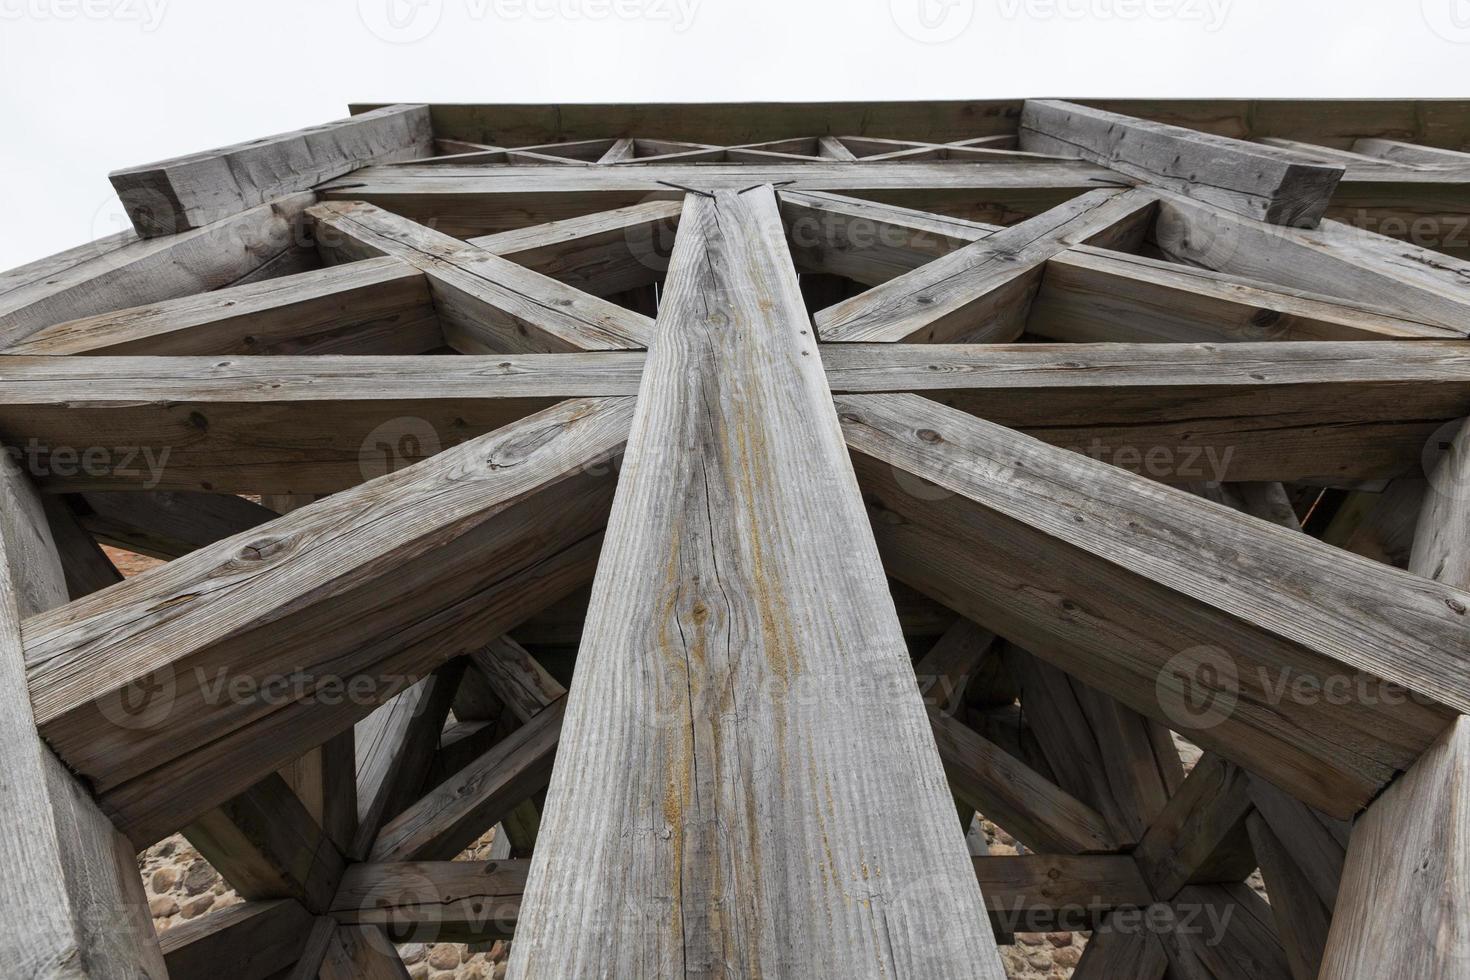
(1262, 182)
(487, 304)
(1302, 920)
(1442, 540)
(1131, 586)
(709, 617)
(74, 907)
(187, 192)
(465, 542)
(253, 940)
(982, 292)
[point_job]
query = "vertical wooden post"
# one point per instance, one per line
(746, 784)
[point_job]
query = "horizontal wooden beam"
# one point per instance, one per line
(258, 941)
(1259, 181)
(1140, 590)
(123, 271)
(241, 682)
(187, 192)
(1324, 411)
(479, 200)
(380, 306)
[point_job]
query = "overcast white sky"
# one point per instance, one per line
(91, 85)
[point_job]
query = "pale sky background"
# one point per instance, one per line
(92, 85)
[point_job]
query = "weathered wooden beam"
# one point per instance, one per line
(516, 678)
(123, 271)
(1409, 854)
(452, 815)
(187, 192)
(1302, 920)
(1133, 587)
(266, 845)
(487, 304)
(866, 241)
(246, 681)
(1244, 178)
(602, 254)
(1200, 837)
(1328, 412)
(434, 901)
(472, 200)
(253, 940)
(168, 525)
(1224, 932)
(73, 902)
(401, 739)
(1091, 295)
(982, 292)
(1398, 151)
(361, 953)
(325, 780)
(86, 567)
(1441, 549)
(1114, 952)
(691, 706)
(1316, 842)
(1030, 807)
(380, 306)
(1333, 259)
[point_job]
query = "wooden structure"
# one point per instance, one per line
(615, 472)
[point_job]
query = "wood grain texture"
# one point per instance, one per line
(982, 292)
(380, 306)
(1409, 854)
(435, 901)
(168, 525)
(257, 940)
(74, 907)
(1441, 549)
(464, 542)
(1091, 295)
(1262, 182)
(1200, 837)
(1113, 954)
(1302, 921)
(516, 678)
(1113, 578)
(187, 192)
(118, 273)
(1333, 259)
(487, 304)
(361, 953)
(709, 616)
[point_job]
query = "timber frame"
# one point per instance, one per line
(874, 466)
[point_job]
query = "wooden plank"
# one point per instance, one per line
(361, 953)
(979, 517)
(380, 306)
(602, 254)
(1408, 854)
(1399, 151)
(1261, 182)
(487, 304)
(1333, 259)
(256, 940)
(866, 241)
(115, 275)
(168, 525)
(1316, 853)
(1093, 295)
(435, 901)
(1200, 837)
(73, 901)
(472, 200)
(187, 192)
(1224, 932)
(86, 568)
(1021, 801)
(1114, 953)
(394, 777)
(690, 704)
(1329, 412)
(451, 816)
(325, 780)
(265, 844)
(516, 678)
(477, 556)
(982, 291)
(1058, 893)
(1302, 920)
(1441, 548)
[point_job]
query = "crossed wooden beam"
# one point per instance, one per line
(746, 776)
